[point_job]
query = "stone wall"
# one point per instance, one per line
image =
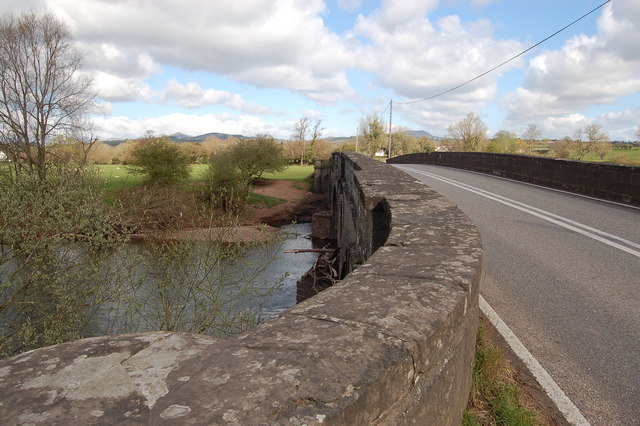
(601, 180)
(391, 344)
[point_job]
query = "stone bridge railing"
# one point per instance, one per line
(600, 180)
(392, 343)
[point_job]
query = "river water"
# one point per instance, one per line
(182, 290)
(293, 265)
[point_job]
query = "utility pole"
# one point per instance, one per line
(390, 118)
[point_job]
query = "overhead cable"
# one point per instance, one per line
(507, 61)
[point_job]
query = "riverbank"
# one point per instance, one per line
(259, 222)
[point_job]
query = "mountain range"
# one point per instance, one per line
(181, 137)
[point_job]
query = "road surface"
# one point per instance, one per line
(563, 272)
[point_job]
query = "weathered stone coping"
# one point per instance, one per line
(390, 344)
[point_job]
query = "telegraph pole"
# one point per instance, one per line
(390, 118)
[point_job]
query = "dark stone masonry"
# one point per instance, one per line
(599, 180)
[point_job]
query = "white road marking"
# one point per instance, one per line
(595, 234)
(568, 409)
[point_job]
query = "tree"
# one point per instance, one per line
(371, 135)
(42, 92)
(469, 134)
(231, 171)
(586, 139)
(503, 142)
(561, 148)
(159, 159)
(425, 144)
(306, 134)
(601, 149)
(531, 135)
(257, 155)
(58, 242)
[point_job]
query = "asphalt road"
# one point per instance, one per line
(563, 272)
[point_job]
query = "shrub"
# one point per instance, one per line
(52, 231)
(160, 160)
(257, 155)
(231, 171)
(226, 187)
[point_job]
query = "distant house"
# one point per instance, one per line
(442, 148)
(380, 153)
(3, 156)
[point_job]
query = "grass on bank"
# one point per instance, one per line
(618, 156)
(496, 398)
(118, 177)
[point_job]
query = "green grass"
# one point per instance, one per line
(298, 173)
(496, 398)
(265, 199)
(117, 176)
(623, 156)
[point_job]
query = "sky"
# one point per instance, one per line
(258, 66)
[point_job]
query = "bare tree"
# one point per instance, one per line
(469, 134)
(531, 135)
(42, 92)
(306, 134)
(300, 137)
(587, 138)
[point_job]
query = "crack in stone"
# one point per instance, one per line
(354, 324)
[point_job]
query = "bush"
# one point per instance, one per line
(160, 160)
(257, 155)
(231, 171)
(226, 187)
(52, 231)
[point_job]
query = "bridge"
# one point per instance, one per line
(561, 270)
(392, 343)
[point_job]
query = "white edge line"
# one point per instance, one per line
(568, 409)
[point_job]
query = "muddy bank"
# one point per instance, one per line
(259, 222)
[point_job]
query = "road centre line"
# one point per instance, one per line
(566, 220)
(548, 188)
(566, 223)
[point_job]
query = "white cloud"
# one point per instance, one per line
(349, 5)
(395, 13)
(120, 126)
(241, 40)
(479, 4)
(420, 59)
(599, 69)
(618, 125)
(110, 87)
(192, 95)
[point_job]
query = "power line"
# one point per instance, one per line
(505, 62)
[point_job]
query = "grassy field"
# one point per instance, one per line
(117, 176)
(298, 173)
(621, 156)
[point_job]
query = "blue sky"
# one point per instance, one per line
(258, 66)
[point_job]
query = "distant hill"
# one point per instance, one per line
(181, 137)
(418, 133)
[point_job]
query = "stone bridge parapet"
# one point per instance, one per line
(392, 343)
(607, 181)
